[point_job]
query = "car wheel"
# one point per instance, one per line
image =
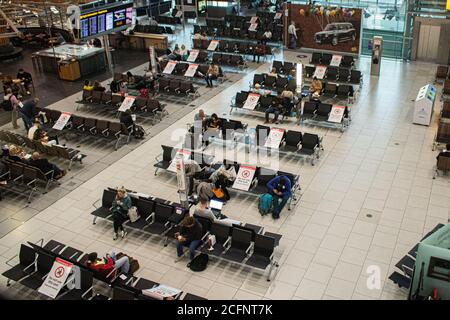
(334, 41)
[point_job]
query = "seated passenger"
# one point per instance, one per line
(190, 236)
(106, 265)
(275, 108)
(316, 87)
(50, 169)
(184, 53)
(213, 122)
(280, 189)
(202, 210)
(87, 85)
(211, 74)
(37, 134)
(120, 206)
(98, 86)
(16, 153)
(130, 78)
(273, 73)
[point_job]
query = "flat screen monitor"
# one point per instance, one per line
(216, 204)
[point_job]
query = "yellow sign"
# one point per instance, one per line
(448, 4)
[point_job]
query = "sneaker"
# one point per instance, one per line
(115, 236)
(28, 92)
(123, 234)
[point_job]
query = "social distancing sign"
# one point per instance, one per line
(56, 278)
(244, 178)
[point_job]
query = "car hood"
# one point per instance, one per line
(320, 33)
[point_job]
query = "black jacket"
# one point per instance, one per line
(126, 119)
(443, 154)
(192, 233)
(41, 164)
(29, 109)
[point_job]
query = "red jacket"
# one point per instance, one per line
(101, 267)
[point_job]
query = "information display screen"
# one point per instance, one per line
(106, 19)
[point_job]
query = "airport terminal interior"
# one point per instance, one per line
(223, 150)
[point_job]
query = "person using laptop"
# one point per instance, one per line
(212, 212)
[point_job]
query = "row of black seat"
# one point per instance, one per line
(338, 91)
(160, 217)
(320, 113)
(24, 179)
(334, 74)
(147, 107)
(240, 32)
(278, 83)
(181, 67)
(258, 185)
(178, 87)
(153, 29)
(36, 261)
(167, 19)
(264, 102)
(51, 150)
(319, 58)
(230, 46)
(98, 128)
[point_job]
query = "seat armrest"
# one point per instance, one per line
(205, 236)
(12, 258)
(250, 247)
(227, 242)
(31, 182)
(95, 204)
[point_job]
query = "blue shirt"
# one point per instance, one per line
(272, 184)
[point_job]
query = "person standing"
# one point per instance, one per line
(28, 112)
(292, 31)
(190, 236)
(10, 102)
(120, 206)
(280, 189)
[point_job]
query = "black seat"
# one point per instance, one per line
(104, 210)
(241, 97)
(347, 62)
(167, 155)
(120, 293)
(43, 266)
(323, 111)
(309, 109)
(258, 78)
(264, 176)
(292, 141)
(355, 76)
(25, 267)
(222, 234)
(278, 65)
(326, 58)
(71, 254)
(160, 218)
(262, 252)
(309, 143)
(343, 91)
(316, 58)
(330, 90)
(344, 74)
(270, 81)
(86, 282)
(332, 73)
(240, 245)
(262, 132)
(143, 284)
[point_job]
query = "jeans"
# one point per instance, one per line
(122, 264)
(209, 78)
(273, 110)
(191, 245)
(256, 55)
(26, 121)
(118, 221)
(277, 205)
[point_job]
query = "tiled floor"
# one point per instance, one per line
(382, 165)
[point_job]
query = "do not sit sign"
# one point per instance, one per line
(56, 278)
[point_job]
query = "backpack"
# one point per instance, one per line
(199, 263)
(7, 104)
(265, 203)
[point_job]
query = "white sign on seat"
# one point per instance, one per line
(336, 60)
(253, 27)
(213, 45)
(336, 114)
(244, 177)
(126, 103)
(56, 278)
(274, 138)
(169, 67)
(193, 55)
(160, 292)
(62, 121)
(252, 101)
(319, 73)
(190, 72)
(181, 154)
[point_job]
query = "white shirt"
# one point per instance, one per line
(292, 30)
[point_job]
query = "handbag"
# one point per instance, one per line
(218, 193)
(133, 214)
